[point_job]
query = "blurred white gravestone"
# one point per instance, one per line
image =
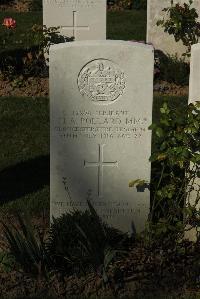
(101, 106)
(194, 96)
(156, 35)
(194, 90)
(82, 19)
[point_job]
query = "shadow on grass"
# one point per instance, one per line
(24, 178)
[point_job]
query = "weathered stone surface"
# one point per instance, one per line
(156, 35)
(194, 96)
(101, 106)
(194, 90)
(83, 19)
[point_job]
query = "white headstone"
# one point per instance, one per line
(194, 96)
(194, 90)
(83, 19)
(101, 106)
(156, 35)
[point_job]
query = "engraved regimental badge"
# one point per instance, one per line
(101, 81)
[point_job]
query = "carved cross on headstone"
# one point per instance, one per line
(75, 26)
(100, 164)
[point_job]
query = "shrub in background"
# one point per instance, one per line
(182, 23)
(172, 69)
(29, 60)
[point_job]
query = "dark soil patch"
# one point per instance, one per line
(166, 88)
(142, 271)
(32, 87)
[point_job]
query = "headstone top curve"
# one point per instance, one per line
(100, 43)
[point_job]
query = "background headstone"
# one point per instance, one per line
(194, 96)
(83, 19)
(156, 35)
(194, 90)
(101, 106)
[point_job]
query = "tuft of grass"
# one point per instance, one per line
(28, 247)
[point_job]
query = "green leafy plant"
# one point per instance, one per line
(80, 243)
(175, 180)
(28, 248)
(44, 37)
(176, 171)
(182, 23)
(18, 82)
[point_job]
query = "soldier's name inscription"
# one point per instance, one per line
(100, 124)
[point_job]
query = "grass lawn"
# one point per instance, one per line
(24, 153)
(127, 25)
